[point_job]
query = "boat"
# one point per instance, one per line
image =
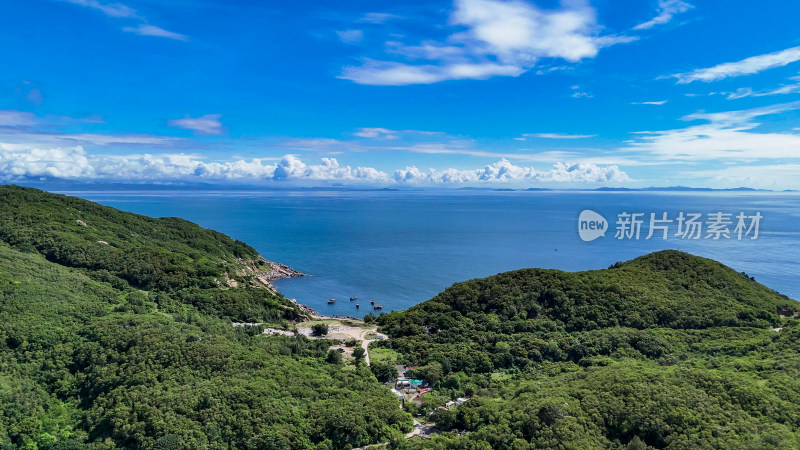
(372, 302)
(331, 301)
(357, 306)
(378, 307)
(353, 298)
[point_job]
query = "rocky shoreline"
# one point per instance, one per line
(279, 271)
(276, 271)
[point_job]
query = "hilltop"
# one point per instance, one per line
(667, 289)
(668, 350)
(131, 251)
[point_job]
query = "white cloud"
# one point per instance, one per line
(658, 103)
(786, 89)
(21, 128)
(376, 133)
(151, 30)
(206, 124)
(43, 139)
(350, 36)
(384, 73)
(120, 11)
(20, 162)
(16, 162)
(381, 142)
(746, 66)
(13, 118)
(520, 32)
(727, 136)
(109, 9)
(491, 38)
(291, 168)
(559, 135)
(749, 92)
(504, 171)
(666, 10)
(377, 18)
(438, 143)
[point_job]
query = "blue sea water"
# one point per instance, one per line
(403, 247)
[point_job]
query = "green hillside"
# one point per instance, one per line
(668, 350)
(116, 332)
(129, 250)
(93, 357)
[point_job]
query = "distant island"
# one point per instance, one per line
(123, 331)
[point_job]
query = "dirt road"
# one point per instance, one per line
(345, 332)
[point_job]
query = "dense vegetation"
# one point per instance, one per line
(667, 351)
(93, 354)
(132, 251)
(115, 331)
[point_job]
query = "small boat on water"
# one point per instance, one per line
(378, 307)
(357, 306)
(353, 298)
(331, 301)
(372, 302)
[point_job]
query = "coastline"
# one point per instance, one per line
(278, 271)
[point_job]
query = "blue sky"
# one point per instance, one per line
(454, 93)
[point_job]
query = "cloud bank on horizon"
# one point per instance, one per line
(444, 93)
(19, 163)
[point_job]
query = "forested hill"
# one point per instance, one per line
(133, 251)
(146, 252)
(663, 289)
(115, 332)
(668, 350)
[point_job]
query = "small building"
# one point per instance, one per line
(409, 383)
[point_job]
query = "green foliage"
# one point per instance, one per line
(319, 329)
(370, 318)
(148, 253)
(75, 370)
(519, 318)
(383, 371)
(90, 360)
(129, 250)
(664, 351)
(334, 357)
(128, 343)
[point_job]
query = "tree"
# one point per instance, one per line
(358, 354)
(370, 318)
(433, 372)
(334, 357)
(383, 371)
(320, 329)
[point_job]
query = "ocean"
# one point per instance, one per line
(400, 248)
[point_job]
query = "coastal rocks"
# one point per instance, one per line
(307, 310)
(264, 272)
(278, 271)
(275, 271)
